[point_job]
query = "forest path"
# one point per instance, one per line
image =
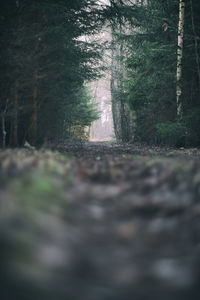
(117, 221)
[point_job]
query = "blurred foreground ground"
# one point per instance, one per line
(100, 221)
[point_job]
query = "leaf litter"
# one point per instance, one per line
(100, 221)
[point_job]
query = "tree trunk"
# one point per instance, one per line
(34, 100)
(14, 121)
(33, 117)
(3, 131)
(13, 139)
(179, 58)
(123, 119)
(3, 125)
(195, 42)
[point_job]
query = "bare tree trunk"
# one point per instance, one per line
(195, 42)
(179, 58)
(13, 139)
(15, 114)
(34, 100)
(3, 131)
(116, 87)
(14, 121)
(124, 121)
(3, 125)
(33, 117)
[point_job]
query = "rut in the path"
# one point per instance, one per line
(116, 225)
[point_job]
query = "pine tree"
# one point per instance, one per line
(46, 66)
(155, 77)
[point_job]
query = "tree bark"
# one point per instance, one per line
(33, 116)
(179, 58)
(13, 139)
(14, 121)
(124, 121)
(195, 43)
(34, 100)
(3, 125)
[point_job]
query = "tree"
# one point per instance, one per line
(123, 117)
(179, 57)
(44, 67)
(154, 75)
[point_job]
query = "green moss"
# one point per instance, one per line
(39, 182)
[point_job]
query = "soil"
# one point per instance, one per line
(100, 221)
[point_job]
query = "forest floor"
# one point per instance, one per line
(100, 221)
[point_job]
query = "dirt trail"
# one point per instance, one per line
(121, 222)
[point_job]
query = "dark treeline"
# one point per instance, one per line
(45, 64)
(161, 81)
